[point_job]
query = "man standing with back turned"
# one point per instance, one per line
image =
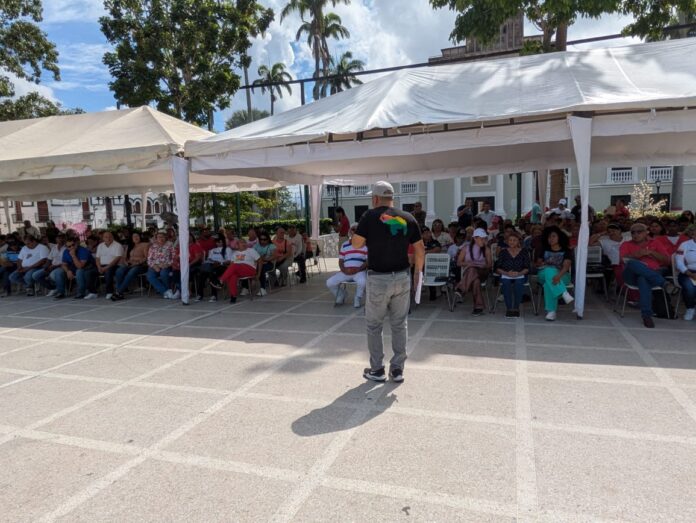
(388, 232)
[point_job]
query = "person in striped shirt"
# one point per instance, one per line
(353, 265)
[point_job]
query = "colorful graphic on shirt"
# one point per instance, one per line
(395, 224)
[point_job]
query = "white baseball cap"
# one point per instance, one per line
(480, 233)
(382, 189)
(562, 201)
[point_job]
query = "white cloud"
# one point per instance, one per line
(23, 87)
(61, 11)
(83, 59)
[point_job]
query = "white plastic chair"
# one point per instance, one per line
(436, 274)
(594, 260)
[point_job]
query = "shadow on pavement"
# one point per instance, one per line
(323, 420)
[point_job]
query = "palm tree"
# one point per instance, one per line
(275, 75)
(343, 70)
(315, 28)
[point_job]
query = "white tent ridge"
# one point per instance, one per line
(644, 76)
(634, 105)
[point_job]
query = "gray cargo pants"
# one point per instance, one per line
(388, 294)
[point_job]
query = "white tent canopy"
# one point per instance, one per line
(108, 153)
(633, 104)
(105, 153)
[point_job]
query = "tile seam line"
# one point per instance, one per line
(525, 460)
(294, 501)
(120, 386)
(102, 483)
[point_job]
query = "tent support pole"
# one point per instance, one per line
(581, 134)
(519, 195)
(308, 227)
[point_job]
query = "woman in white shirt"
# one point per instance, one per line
(439, 233)
(245, 264)
(217, 261)
(686, 265)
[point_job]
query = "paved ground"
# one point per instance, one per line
(146, 410)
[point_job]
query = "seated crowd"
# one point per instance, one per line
(485, 249)
(639, 255)
(85, 263)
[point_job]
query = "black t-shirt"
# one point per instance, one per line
(388, 233)
(466, 219)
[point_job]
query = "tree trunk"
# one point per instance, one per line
(676, 201)
(272, 103)
(317, 65)
(250, 112)
(561, 37)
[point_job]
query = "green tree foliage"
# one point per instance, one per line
(32, 105)
(254, 206)
(241, 117)
(276, 74)
(180, 54)
(343, 70)
(482, 18)
(318, 27)
(26, 53)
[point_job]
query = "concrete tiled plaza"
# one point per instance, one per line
(146, 410)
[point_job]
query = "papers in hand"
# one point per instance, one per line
(419, 288)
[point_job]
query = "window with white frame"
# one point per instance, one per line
(661, 173)
(409, 187)
(478, 181)
(361, 190)
(621, 175)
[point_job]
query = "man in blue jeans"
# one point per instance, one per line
(78, 265)
(388, 233)
(645, 261)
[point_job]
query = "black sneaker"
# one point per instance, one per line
(477, 312)
(510, 314)
(374, 375)
(117, 296)
(233, 299)
(58, 296)
(79, 297)
(396, 375)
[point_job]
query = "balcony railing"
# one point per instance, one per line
(621, 175)
(409, 187)
(663, 174)
(361, 190)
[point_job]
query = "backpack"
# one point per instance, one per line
(658, 306)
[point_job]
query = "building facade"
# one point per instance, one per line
(98, 212)
(440, 198)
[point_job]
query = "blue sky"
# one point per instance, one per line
(383, 33)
